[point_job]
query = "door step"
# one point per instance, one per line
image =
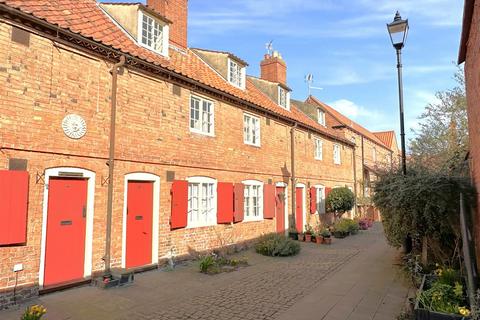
(117, 278)
(64, 286)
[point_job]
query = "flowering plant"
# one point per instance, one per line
(34, 312)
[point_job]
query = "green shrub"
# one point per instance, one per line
(277, 245)
(213, 264)
(340, 200)
(206, 263)
(423, 205)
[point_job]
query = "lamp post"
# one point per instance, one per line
(398, 30)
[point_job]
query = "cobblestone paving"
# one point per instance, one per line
(263, 290)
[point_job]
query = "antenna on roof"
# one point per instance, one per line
(269, 47)
(309, 81)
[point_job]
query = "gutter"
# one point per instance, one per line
(111, 164)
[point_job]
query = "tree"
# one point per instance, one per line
(340, 200)
(442, 140)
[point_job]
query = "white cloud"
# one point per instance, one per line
(371, 119)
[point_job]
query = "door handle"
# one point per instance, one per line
(84, 212)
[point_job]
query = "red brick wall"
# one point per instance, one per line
(472, 71)
(273, 69)
(42, 83)
(177, 12)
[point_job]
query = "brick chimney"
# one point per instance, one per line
(273, 68)
(177, 12)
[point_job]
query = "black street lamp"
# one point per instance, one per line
(398, 30)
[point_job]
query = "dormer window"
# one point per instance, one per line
(236, 74)
(321, 117)
(152, 33)
(283, 98)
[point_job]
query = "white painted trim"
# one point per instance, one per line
(259, 130)
(287, 222)
(142, 176)
(315, 139)
(242, 74)
(210, 134)
(165, 33)
(317, 187)
(90, 175)
(304, 201)
(200, 179)
(260, 202)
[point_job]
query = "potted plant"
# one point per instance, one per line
(341, 229)
(363, 224)
(326, 236)
(301, 236)
(441, 297)
(308, 233)
(339, 201)
(292, 233)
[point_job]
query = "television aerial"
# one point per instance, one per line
(269, 47)
(309, 81)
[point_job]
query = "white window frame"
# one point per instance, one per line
(250, 133)
(318, 148)
(321, 117)
(241, 77)
(201, 115)
(287, 98)
(248, 213)
(165, 33)
(337, 156)
(320, 201)
(212, 220)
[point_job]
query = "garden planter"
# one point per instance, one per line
(318, 240)
(301, 237)
(293, 235)
(327, 240)
(424, 314)
(339, 234)
(308, 237)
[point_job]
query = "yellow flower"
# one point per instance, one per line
(464, 311)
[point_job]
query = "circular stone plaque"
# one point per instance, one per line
(74, 126)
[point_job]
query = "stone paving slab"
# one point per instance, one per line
(322, 282)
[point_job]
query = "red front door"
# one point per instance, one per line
(299, 209)
(280, 209)
(66, 221)
(139, 223)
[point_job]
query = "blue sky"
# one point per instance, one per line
(345, 45)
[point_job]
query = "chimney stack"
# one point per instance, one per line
(177, 12)
(273, 68)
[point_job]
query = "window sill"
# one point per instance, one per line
(256, 219)
(252, 145)
(319, 159)
(197, 226)
(202, 133)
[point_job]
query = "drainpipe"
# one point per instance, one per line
(355, 176)
(111, 164)
(363, 168)
(294, 189)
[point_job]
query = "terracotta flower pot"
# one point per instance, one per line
(308, 237)
(319, 240)
(301, 237)
(327, 240)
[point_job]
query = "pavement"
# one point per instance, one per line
(354, 278)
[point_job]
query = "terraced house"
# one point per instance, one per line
(120, 146)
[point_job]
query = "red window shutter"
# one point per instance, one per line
(238, 196)
(313, 200)
(179, 204)
(225, 202)
(327, 192)
(268, 201)
(13, 207)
